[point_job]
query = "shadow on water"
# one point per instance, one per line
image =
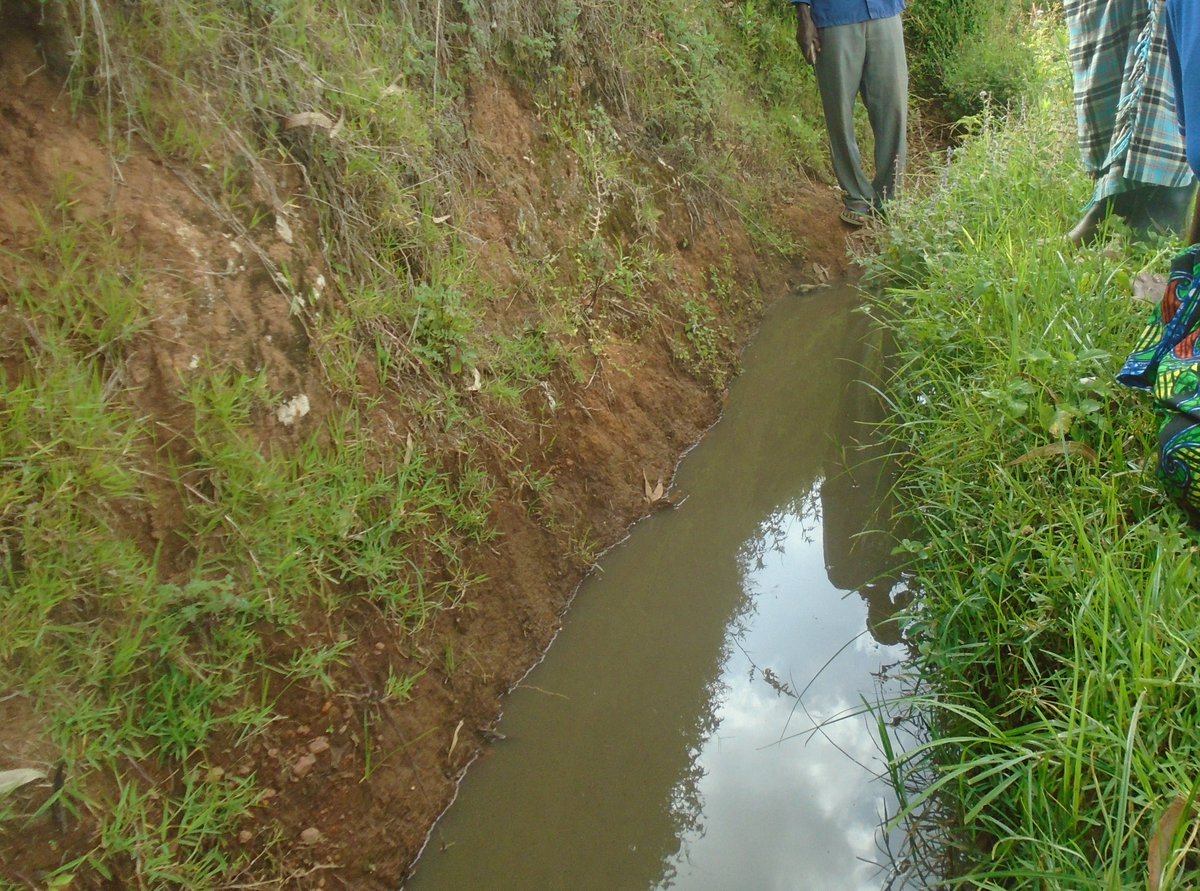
(698, 724)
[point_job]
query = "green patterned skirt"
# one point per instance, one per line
(1166, 363)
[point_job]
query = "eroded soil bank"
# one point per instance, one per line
(352, 781)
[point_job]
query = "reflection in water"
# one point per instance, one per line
(661, 743)
(858, 503)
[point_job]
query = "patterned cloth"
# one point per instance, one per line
(1124, 99)
(1166, 362)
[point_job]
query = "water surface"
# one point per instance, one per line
(662, 743)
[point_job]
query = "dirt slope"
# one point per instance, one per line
(212, 296)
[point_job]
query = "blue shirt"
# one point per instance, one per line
(1183, 46)
(828, 13)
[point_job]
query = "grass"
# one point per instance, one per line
(137, 665)
(645, 103)
(1057, 627)
(967, 53)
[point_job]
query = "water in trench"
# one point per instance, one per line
(661, 743)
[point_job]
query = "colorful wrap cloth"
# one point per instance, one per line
(1166, 363)
(1124, 98)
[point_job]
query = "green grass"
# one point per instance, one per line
(1059, 620)
(136, 667)
(970, 53)
(658, 103)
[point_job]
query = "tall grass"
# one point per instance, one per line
(1061, 596)
(964, 53)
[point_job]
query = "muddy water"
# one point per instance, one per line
(661, 743)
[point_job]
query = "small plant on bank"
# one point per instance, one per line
(703, 353)
(399, 687)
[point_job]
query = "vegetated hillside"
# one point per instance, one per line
(335, 341)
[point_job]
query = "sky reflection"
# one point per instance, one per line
(803, 812)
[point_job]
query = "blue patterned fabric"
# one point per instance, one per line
(1166, 363)
(1124, 97)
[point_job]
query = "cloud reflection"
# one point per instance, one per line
(815, 811)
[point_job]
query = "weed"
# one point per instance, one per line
(316, 663)
(399, 687)
(441, 328)
(705, 354)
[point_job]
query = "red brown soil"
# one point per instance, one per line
(215, 306)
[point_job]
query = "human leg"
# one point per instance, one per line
(1085, 231)
(839, 73)
(885, 93)
(1152, 208)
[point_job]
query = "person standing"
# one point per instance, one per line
(1125, 116)
(856, 47)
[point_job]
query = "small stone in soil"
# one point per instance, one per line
(311, 835)
(319, 745)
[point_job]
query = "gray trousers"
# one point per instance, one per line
(868, 59)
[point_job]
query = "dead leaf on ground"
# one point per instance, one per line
(308, 119)
(11, 780)
(282, 229)
(1067, 448)
(1061, 425)
(1149, 286)
(653, 493)
(1161, 844)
